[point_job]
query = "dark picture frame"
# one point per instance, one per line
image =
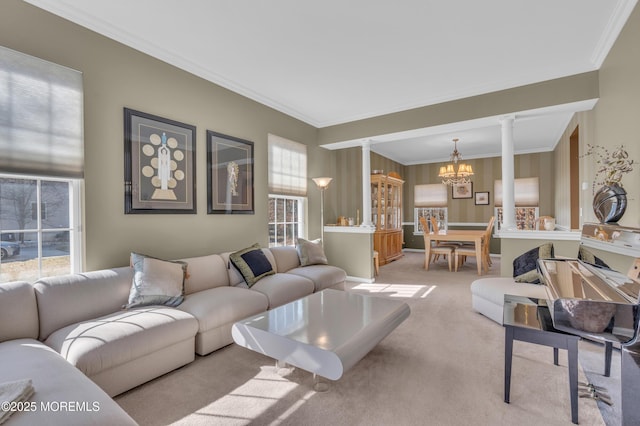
(229, 174)
(462, 190)
(159, 165)
(482, 198)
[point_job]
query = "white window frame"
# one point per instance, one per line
(426, 212)
(302, 216)
(76, 239)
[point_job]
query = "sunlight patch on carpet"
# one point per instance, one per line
(248, 402)
(294, 407)
(405, 291)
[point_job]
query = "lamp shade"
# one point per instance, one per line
(322, 182)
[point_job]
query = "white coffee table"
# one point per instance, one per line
(325, 333)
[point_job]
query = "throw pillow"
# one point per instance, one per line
(311, 252)
(525, 266)
(156, 281)
(588, 257)
(252, 263)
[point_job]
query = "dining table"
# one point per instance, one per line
(464, 235)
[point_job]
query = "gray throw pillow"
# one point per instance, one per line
(252, 263)
(156, 281)
(525, 266)
(588, 257)
(311, 252)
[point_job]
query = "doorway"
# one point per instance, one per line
(574, 177)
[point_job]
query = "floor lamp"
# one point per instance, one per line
(322, 183)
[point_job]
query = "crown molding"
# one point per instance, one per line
(612, 30)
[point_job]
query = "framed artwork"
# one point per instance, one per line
(159, 164)
(482, 198)
(462, 190)
(229, 174)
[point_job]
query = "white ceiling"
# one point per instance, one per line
(334, 61)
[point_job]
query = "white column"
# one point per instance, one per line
(366, 184)
(508, 174)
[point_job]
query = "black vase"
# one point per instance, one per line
(609, 203)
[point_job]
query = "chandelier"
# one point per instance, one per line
(449, 174)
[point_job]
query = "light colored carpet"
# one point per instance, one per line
(443, 366)
(591, 358)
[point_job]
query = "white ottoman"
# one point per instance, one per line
(487, 294)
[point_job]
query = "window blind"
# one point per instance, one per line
(526, 192)
(430, 195)
(41, 117)
(287, 167)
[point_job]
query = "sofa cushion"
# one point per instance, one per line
(323, 276)
(156, 281)
(18, 311)
(112, 340)
(311, 252)
(223, 305)
(525, 266)
(205, 272)
(68, 299)
(284, 288)
(252, 263)
(286, 258)
(55, 381)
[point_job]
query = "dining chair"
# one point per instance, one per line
(462, 252)
(436, 229)
(436, 250)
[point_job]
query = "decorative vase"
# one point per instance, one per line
(609, 203)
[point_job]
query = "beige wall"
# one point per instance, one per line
(584, 121)
(548, 93)
(351, 252)
(617, 113)
(348, 193)
(116, 76)
(346, 196)
(487, 170)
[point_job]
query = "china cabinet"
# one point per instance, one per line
(386, 212)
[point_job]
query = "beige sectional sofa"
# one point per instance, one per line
(75, 325)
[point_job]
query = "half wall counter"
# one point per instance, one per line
(514, 243)
(351, 248)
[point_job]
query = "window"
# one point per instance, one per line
(287, 191)
(39, 227)
(430, 200)
(440, 213)
(41, 167)
(526, 199)
(286, 219)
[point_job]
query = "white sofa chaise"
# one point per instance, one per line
(487, 294)
(54, 379)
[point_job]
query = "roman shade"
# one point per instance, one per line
(526, 192)
(41, 117)
(287, 167)
(430, 195)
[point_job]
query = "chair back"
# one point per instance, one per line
(487, 233)
(434, 225)
(425, 226)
